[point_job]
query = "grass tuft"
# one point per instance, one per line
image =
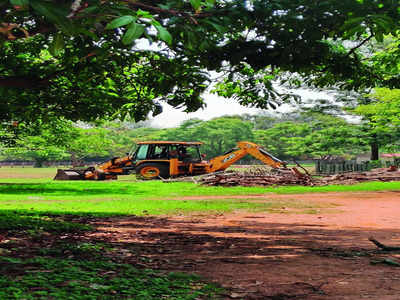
(19, 220)
(56, 278)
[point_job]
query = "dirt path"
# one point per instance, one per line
(325, 255)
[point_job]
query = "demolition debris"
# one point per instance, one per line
(290, 177)
(380, 174)
(257, 178)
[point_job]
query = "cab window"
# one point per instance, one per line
(142, 152)
(158, 152)
(193, 153)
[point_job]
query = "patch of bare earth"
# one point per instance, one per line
(325, 255)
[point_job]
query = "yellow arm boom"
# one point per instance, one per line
(222, 162)
(109, 169)
(115, 164)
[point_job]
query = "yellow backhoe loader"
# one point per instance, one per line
(163, 159)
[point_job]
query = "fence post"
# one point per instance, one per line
(337, 166)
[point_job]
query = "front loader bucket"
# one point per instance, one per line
(69, 175)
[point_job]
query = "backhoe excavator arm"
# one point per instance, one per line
(222, 162)
(115, 166)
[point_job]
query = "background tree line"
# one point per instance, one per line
(302, 134)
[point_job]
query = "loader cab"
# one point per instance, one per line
(139, 153)
(166, 151)
(155, 159)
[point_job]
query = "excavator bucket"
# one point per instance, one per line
(69, 175)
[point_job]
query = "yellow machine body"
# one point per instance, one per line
(162, 159)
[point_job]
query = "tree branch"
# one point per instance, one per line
(22, 82)
(28, 82)
(7, 30)
(382, 246)
(190, 17)
(359, 45)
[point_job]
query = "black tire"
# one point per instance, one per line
(152, 171)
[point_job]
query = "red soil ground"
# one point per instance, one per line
(325, 255)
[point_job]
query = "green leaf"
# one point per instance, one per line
(144, 14)
(89, 9)
(121, 21)
(155, 23)
(191, 40)
(165, 6)
(164, 34)
(46, 10)
(385, 24)
(19, 2)
(352, 22)
(358, 29)
(195, 4)
(210, 3)
(219, 28)
(57, 45)
(134, 32)
(88, 33)
(379, 37)
(54, 14)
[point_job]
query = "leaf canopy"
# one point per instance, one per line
(85, 60)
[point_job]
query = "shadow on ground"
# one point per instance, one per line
(256, 259)
(251, 257)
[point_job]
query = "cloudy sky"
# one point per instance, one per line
(216, 107)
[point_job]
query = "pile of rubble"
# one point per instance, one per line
(381, 174)
(257, 178)
(292, 177)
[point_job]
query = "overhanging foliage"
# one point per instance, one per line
(85, 59)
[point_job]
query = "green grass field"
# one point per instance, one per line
(37, 213)
(43, 195)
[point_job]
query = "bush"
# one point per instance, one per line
(372, 164)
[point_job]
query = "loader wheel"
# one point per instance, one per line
(152, 171)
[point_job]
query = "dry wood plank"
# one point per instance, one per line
(382, 246)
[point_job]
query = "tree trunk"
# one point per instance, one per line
(374, 150)
(38, 163)
(74, 160)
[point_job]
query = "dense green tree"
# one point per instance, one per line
(90, 143)
(83, 60)
(278, 138)
(43, 142)
(61, 140)
(218, 135)
(362, 109)
(316, 136)
(124, 136)
(381, 119)
(261, 120)
(384, 112)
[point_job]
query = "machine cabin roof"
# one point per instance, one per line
(171, 143)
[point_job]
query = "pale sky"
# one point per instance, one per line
(217, 107)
